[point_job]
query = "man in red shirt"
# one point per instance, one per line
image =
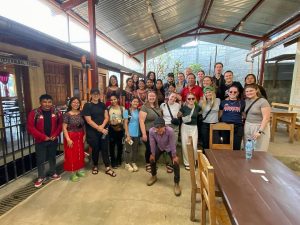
(45, 125)
(191, 88)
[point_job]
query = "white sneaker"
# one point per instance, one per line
(135, 168)
(128, 167)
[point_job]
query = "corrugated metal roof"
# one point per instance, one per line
(128, 23)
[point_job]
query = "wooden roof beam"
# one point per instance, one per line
(66, 6)
(234, 33)
(246, 17)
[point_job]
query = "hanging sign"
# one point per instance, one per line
(21, 62)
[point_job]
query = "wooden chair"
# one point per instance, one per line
(221, 127)
(216, 209)
(194, 184)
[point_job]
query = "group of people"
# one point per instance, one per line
(155, 112)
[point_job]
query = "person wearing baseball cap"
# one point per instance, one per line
(162, 139)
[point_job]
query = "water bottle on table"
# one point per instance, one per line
(249, 147)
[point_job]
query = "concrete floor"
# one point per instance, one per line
(125, 199)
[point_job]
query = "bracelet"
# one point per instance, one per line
(261, 132)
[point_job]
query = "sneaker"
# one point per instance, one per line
(74, 177)
(135, 168)
(55, 177)
(128, 167)
(177, 189)
(81, 173)
(39, 182)
(152, 180)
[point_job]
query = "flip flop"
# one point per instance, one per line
(95, 171)
(111, 173)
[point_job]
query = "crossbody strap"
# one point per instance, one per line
(155, 112)
(251, 106)
(207, 114)
(169, 110)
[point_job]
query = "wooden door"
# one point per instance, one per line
(57, 81)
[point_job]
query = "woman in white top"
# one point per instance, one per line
(210, 110)
(258, 113)
(174, 108)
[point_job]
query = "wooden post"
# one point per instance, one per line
(262, 66)
(93, 48)
(145, 64)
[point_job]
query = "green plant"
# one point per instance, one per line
(195, 67)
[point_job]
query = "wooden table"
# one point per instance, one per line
(283, 113)
(250, 200)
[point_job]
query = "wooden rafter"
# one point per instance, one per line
(66, 6)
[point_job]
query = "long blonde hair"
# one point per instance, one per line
(205, 101)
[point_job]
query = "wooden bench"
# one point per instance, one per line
(287, 121)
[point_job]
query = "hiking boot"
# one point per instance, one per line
(74, 177)
(81, 173)
(55, 177)
(177, 189)
(135, 168)
(39, 182)
(152, 180)
(128, 167)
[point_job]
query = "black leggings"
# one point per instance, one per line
(115, 138)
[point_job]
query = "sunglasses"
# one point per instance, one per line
(191, 99)
(232, 92)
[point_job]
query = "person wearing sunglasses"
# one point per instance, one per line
(189, 112)
(231, 112)
(228, 76)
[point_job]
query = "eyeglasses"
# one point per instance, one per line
(233, 92)
(191, 99)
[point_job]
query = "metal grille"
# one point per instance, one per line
(15, 198)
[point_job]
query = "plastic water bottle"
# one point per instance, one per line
(104, 135)
(249, 149)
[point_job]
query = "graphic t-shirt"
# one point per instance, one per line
(232, 111)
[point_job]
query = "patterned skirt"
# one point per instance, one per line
(74, 157)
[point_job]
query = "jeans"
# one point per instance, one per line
(46, 151)
(176, 168)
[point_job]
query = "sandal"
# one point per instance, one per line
(95, 171)
(148, 168)
(110, 172)
(169, 168)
